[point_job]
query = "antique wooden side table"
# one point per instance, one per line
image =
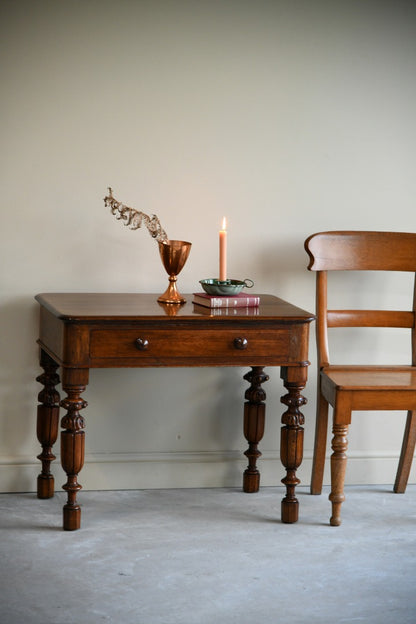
(87, 330)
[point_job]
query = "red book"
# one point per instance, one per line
(242, 300)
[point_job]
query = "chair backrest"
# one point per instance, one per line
(359, 251)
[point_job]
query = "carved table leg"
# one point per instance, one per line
(338, 468)
(73, 443)
(254, 415)
(291, 438)
(47, 423)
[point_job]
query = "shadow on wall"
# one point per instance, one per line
(227, 417)
(283, 268)
(18, 389)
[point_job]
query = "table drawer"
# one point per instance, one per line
(185, 343)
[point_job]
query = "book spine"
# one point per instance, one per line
(229, 302)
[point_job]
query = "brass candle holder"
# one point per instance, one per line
(174, 254)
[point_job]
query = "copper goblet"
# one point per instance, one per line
(174, 254)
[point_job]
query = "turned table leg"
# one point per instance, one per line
(338, 468)
(73, 442)
(47, 423)
(254, 416)
(291, 439)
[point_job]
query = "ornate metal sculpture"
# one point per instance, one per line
(135, 218)
(173, 253)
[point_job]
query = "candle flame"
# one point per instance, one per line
(224, 223)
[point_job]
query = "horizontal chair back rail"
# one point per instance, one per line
(371, 318)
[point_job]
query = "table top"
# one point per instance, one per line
(84, 307)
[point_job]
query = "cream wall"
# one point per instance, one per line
(287, 117)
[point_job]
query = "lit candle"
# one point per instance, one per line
(223, 251)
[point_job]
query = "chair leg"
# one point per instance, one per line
(338, 468)
(406, 455)
(319, 451)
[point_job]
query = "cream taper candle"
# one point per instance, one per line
(223, 251)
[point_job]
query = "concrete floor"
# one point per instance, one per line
(212, 556)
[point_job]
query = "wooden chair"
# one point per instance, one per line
(348, 388)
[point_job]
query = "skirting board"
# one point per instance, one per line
(113, 471)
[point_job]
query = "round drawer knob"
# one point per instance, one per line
(142, 344)
(240, 343)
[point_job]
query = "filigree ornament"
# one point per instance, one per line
(134, 219)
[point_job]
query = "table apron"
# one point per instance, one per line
(167, 345)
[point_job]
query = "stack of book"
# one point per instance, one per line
(242, 300)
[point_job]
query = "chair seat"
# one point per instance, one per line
(371, 387)
(370, 377)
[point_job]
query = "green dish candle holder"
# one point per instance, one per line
(226, 287)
